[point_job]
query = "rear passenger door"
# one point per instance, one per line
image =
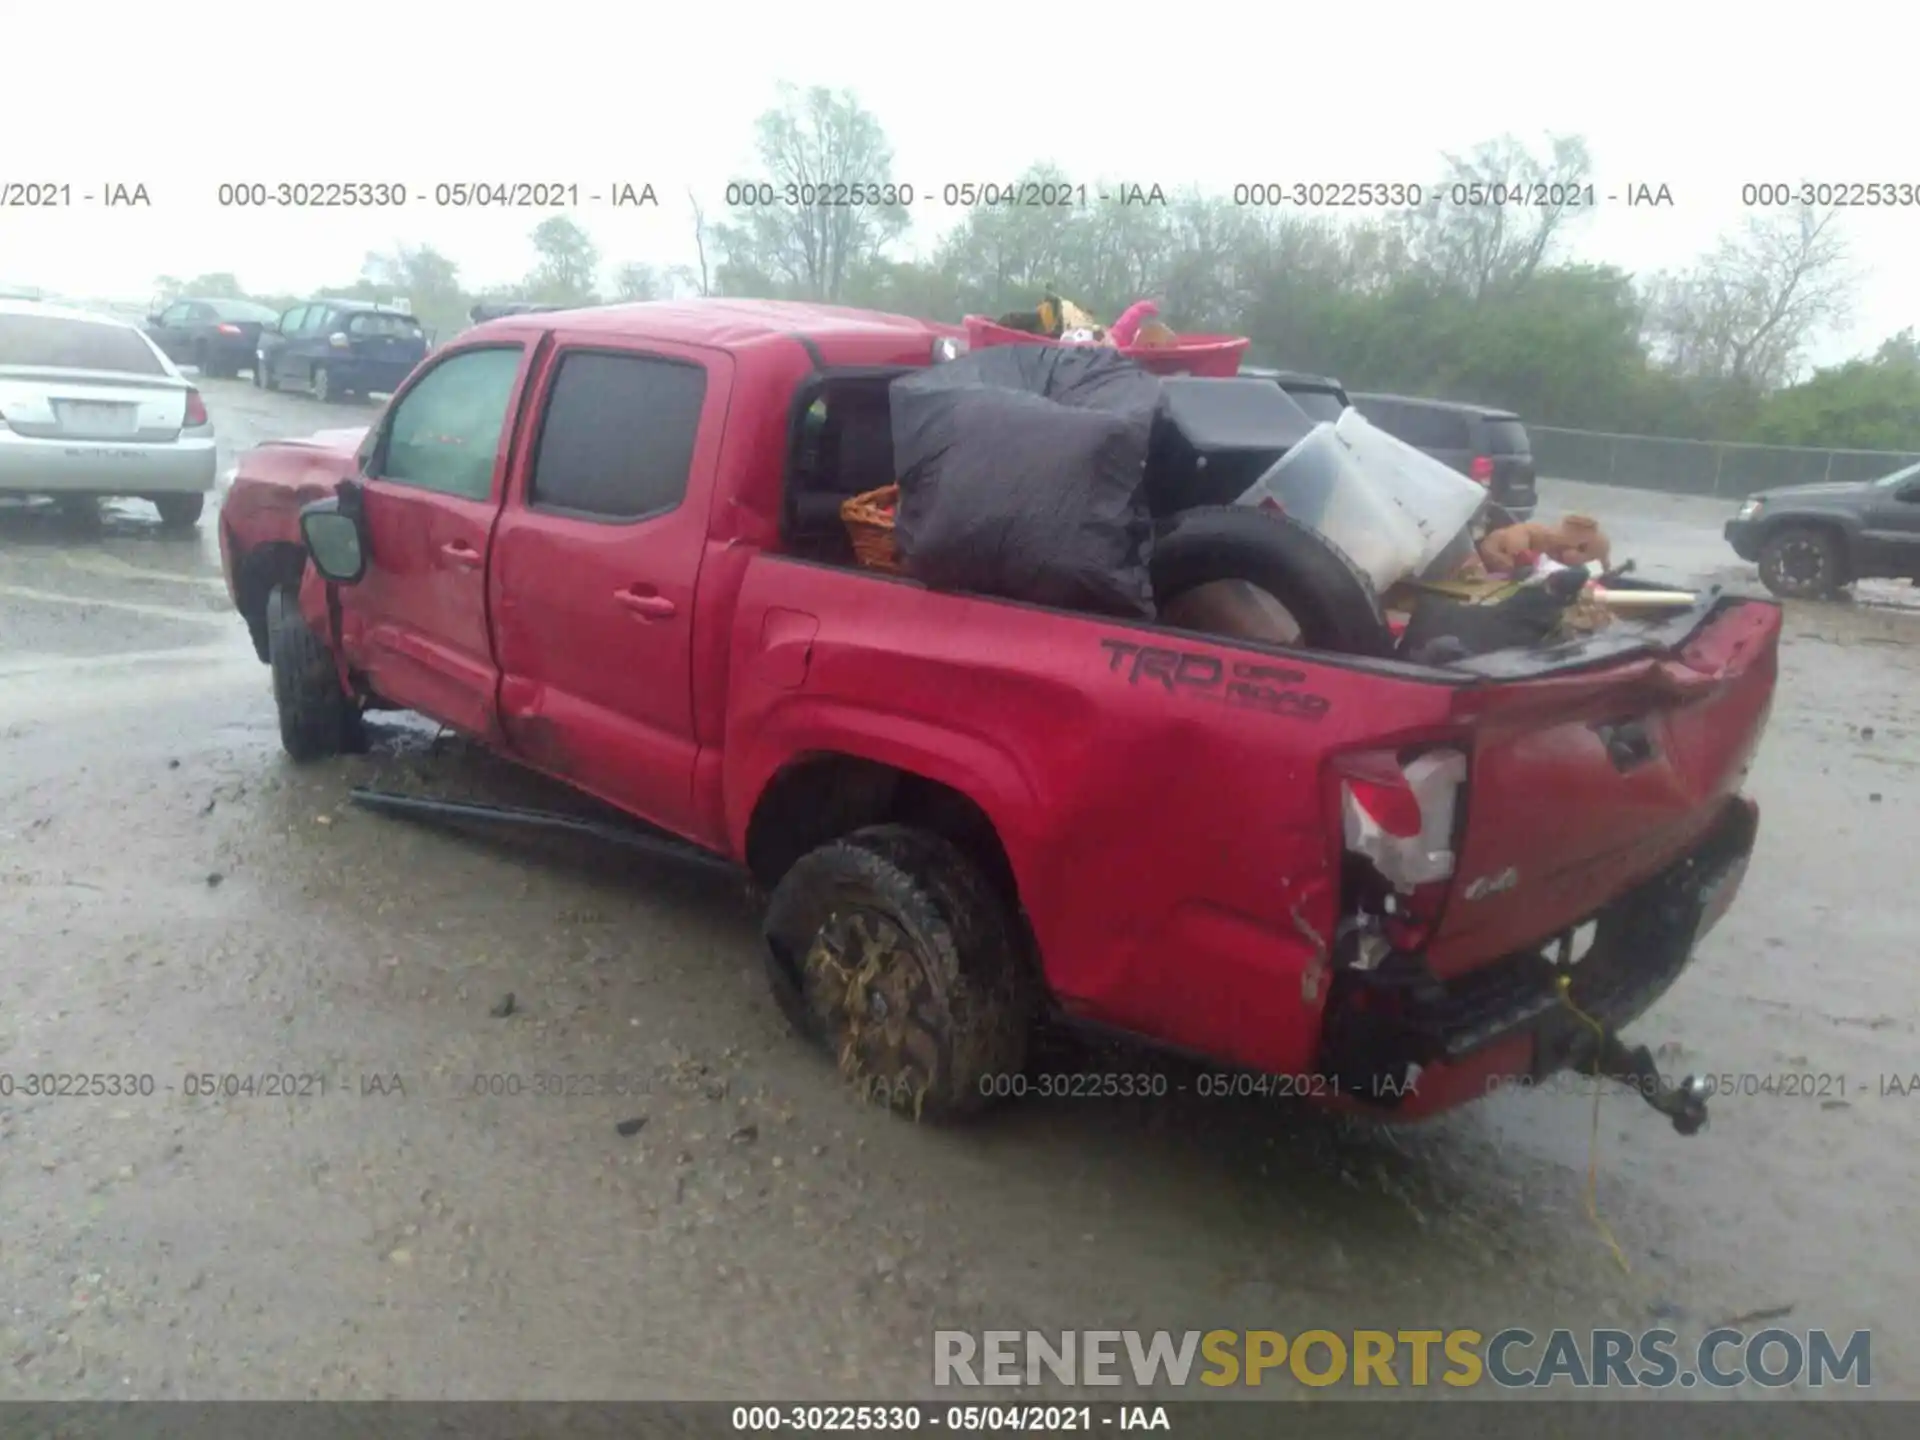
(595, 563)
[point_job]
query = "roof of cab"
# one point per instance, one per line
(728, 324)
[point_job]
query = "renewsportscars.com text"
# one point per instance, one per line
(1511, 1359)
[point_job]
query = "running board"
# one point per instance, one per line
(658, 844)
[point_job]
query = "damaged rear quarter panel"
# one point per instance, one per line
(1159, 796)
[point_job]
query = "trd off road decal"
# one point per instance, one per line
(1245, 684)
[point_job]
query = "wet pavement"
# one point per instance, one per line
(630, 1181)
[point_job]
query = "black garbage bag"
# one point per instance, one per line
(1022, 474)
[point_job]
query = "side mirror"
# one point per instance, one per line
(336, 539)
(1910, 495)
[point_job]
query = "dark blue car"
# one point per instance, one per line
(335, 349)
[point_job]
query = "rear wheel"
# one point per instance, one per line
(893, 948)
(179, 512)
(317, 719)
(1802, 562)
(322, 384)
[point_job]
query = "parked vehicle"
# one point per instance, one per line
(340, 349)
(1812, 541)
(90, 408)
(1488, 444)
(218, 337)
(607, 544)
(1321, 396)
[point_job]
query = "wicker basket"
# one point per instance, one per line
(869, 522)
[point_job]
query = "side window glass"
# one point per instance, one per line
(444, 433)
(318, 321)
(174, 315)
(290, 322)
(617, 439)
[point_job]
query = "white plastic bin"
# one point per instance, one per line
(1322, 483)
(1441, 501)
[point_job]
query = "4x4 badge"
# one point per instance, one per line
(1498, 884)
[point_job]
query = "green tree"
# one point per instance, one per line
(1469, 235)
(816, 148)
(568, 263)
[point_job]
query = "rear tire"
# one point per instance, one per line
(317, 718)
(179, 512)
(1333, 603)
(893, 948)
(1802, 562)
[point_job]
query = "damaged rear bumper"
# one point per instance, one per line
(1405, 1045)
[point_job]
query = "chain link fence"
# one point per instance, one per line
(1699, 467)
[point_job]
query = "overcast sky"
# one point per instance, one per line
(181, 99)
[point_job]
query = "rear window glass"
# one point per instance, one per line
(1319, 404)
(65, 344)
(618, 437)
(1432, 427)
(1506, 437)
(241, 310)
(400, 327)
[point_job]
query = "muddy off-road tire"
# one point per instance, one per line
(317, 718)
(894, 950)
(1329, 598)
(1802, 562)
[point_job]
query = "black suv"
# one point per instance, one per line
(1481, 442)
(1814, 540)
(337, 348)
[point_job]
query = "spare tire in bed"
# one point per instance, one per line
(1333, 603)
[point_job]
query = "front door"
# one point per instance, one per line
(1890, 530)
(416, 625)
(594, 568)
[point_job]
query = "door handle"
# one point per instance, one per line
(461, 553)
(651, 607)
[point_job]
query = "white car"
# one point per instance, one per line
(90, 408)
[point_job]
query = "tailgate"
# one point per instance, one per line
(1581, 785)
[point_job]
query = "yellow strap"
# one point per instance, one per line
(1593, 1142)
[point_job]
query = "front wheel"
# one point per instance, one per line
(322, 384)
(894, 948)
(1801, 563)
(317, 718)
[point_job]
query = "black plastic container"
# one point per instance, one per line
(1214, 438)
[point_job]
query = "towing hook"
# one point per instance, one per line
(1685, 1104)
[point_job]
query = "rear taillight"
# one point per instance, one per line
(1482, 469)
(1398, 817)
(196, 409)
(229, 329)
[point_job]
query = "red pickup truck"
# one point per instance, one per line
(606, 543)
